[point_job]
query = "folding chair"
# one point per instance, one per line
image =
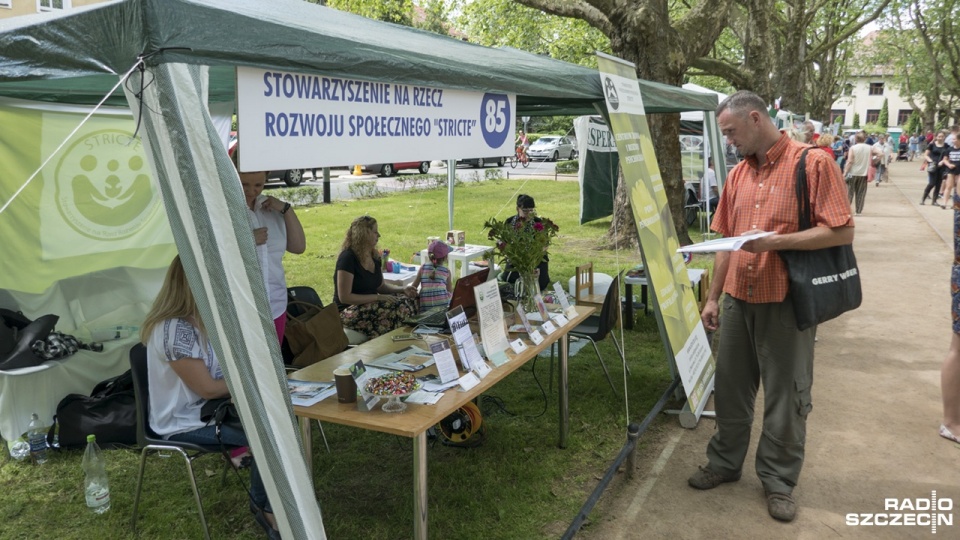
(149, 441)
(597, 326)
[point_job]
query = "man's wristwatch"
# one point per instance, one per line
(286, 206)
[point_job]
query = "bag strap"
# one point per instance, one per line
(803, 192)
(311, 309)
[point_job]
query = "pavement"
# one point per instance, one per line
(872, 442)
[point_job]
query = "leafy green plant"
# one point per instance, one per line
(522, 242)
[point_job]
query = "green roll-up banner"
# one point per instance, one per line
(671, 293)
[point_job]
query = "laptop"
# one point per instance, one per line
(462, 296)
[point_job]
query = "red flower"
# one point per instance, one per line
(537, 226)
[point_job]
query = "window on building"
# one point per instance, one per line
(848, 89)
(51, 5)
(6, 3)
(837, 115)
(873, 115)
(876, 89)
(903, 116)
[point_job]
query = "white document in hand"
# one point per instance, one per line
(723, 244)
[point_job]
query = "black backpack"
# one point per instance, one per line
(109, 412)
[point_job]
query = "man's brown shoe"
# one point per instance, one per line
(704, 478)
(781, 506)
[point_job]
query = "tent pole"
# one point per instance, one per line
(451, 180)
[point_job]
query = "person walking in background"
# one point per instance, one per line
(950, 371)
(951, 161)
(825, 143)
(709, 192)
(855, 171)
(914, 143)
(759, 340)
(880, 158)
(433, 279)
(933, 155)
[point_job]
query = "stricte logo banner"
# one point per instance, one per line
(98, 192)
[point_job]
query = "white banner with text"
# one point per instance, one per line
(294, 120)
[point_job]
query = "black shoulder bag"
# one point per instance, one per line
(823, 282)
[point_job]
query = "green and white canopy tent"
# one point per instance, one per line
(182, 55)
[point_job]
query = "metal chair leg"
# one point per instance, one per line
(136, 498)
(603, 364)
(550, 383)
(324, 435)
(196, 494)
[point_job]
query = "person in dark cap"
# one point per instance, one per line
(527, 209)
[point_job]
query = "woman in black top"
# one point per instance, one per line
(933, 155)
(367, 304)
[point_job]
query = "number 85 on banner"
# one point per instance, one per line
(496, 119)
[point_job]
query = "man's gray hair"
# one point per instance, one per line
(741, 103)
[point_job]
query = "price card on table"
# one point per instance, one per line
(560, 320)
(536, 337)
(548, 327)
(468, 381)
(518, 346)
(481, 369)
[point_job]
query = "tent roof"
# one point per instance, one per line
(76, 56)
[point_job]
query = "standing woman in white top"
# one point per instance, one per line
(183, 373)
(276, 230)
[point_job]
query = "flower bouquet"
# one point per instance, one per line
(521, 243)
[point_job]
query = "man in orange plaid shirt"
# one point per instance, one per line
(759, 340)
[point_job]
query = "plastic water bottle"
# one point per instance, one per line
(19, 449)
(95, 485)
(37, 437)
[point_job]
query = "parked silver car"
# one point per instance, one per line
(552, 147)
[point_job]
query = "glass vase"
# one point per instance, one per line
(525, 289)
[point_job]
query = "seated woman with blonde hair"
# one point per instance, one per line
(183, 373)
(366, 302)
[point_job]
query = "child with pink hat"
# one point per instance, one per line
(434, 278)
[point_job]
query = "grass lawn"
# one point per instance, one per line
(517, 484)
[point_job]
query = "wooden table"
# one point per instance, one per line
(415, 421)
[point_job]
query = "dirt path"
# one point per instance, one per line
(872, 434)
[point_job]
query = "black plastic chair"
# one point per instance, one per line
(149, 441)
(597, 326)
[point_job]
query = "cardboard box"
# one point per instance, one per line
(456, 238)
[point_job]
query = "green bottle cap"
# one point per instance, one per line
(91, 438)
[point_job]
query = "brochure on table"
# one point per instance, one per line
(490, 310)
(410, 358)
(535, 336)
(463, 338)
(446, 363)
(568, 310)
(307, 393)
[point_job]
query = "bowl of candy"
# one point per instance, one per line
(393, 386)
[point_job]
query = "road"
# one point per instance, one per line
(340, 187)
